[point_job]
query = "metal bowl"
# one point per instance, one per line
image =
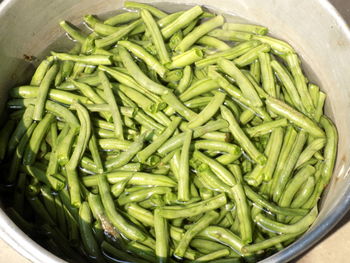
(313, 28)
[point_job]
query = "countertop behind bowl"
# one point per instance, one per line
(309, 13)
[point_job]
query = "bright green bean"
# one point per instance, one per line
(118, 123)
(139, 76)
(156, 36)
(247, 88)
(115, 37)
(198, 32)
(282, 109)
(209, 111)
(117, 220)
(43, 92)
(172, 212)
(184, 180)
(330, 151)
(159, 141)
(195, 228)
(182, 21)
(254, 29)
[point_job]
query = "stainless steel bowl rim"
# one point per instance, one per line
(18, 240)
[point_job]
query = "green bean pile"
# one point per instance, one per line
(167, 137)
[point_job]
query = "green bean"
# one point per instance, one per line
(156, 12)
(177, 140)
(171, 212)
(198, 32)
(243, 140)
(43, 91)
(304, 194)
(174, 102)
(115, 37)
(186, 79)
(5, 134)
(254, 29)
(231, 53)
(230, 35)
(98, 212)
(90, 244)
(217, 168)
(184, 180)
(41, 71)
(278, 46)
(186, 58)
(195, 228)
(213, 255)
(130, 82)
(98, 27)
(261, 201)
(156, 36)
(142, 251)
(330, 151)
(95, 152)
(139, 76)
(36, 139)
(63, 149)
(117, 220)
(143, 194)
(39, 208)
(199, 102)
(120, 254)
(190, 27)
(182, 21)
(74, 188)
(90, 59)
(222, 236)
(300, 84)
(143, 215)
(294, 116)
(289, 165)
(319, 106)
(25, 122)
(247, 88)
(154, 146)
(266, 127)
(88, 92)
(218, 146)
(209, 111)
(250, 56)
(126, 156)
(145, 56)
(296, 183)
(287, 81)
(310, 150)
(72, 32)
(114, 144)
(28, 92)
(269, 242)
(162, 237)
(295, 228)
(122, 18)
(267, 77)
(198, 88)
(138, 178)
(49, 201)
(213, 42)
(83, 137)
(243, 213)
(118, 123)
(175, 39)
(255, 70)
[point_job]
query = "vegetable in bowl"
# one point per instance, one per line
(159, 134)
